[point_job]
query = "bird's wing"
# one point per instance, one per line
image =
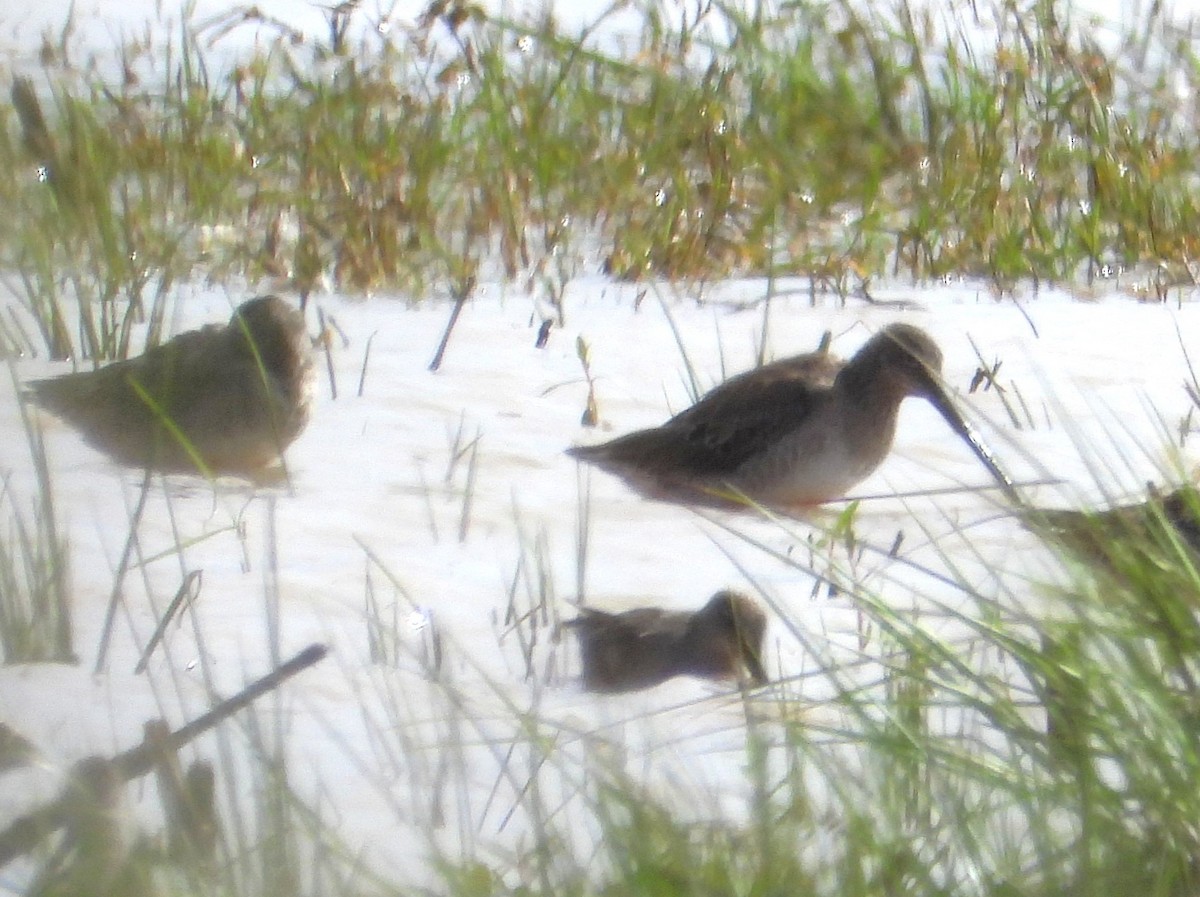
(640, 623)
(738, 420)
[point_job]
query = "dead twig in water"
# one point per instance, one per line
(362, 377)
(460, 299)
(188, 591)
(326, 339)
(25, 833)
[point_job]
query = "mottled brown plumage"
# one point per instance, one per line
(232, 396)
(796, 432)
(1125, 534)
(643, 647)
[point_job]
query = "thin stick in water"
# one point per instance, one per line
(325, 340)
(362, 375)
(122, 567)
(188, 591)
(460, 299)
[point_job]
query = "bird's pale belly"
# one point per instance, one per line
(819, 470)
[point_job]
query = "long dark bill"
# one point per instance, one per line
(750, 657)
(938, 398)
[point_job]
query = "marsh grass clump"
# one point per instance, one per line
(806, 139)
(35, 606)
(35, 585)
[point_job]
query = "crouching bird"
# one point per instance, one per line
(643, 647)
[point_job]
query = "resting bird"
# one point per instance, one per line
(228, 398)
(800, 431)
(643, 647)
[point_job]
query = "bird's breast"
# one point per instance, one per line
(821, 460)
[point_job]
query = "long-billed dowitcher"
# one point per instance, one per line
(229, 396)
(1123, 537)
(800, 431)
(643, 647)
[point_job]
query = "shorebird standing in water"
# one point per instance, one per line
(643, 647)
(228, 397)
(800, 431)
